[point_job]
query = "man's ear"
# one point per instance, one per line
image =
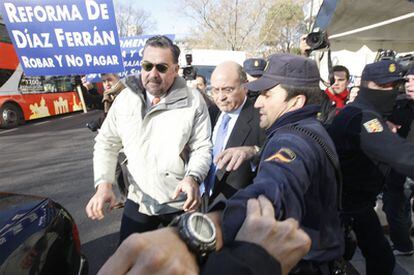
(297, 102)
(244, 87)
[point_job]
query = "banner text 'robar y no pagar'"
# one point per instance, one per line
(57, 37)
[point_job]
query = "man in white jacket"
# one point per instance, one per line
(164, 128)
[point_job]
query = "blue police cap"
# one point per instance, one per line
(411, 70)
(382, 72)
(288, 69)
(254, 66)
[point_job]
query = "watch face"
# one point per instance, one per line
(202, 228)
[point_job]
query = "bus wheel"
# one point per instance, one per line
(10, 115)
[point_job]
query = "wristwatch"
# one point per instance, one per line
(197, 230)
(195, 178)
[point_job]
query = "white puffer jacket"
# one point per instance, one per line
(162, 145)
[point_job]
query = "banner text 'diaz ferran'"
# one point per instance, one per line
(64, 37)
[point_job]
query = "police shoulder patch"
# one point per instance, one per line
(392, 68)
(373, 126)
(284, 155)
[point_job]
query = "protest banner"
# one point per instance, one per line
(93, 78)
(63, 37)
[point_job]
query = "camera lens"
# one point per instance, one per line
(317, 40)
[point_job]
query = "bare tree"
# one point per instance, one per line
(225, 24)
(132, 21)
(283, 26)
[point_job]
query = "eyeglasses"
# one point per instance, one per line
(147, 66)
(225, 90)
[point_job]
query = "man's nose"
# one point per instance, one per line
(257, 104)
(222, 96)
(154, 72)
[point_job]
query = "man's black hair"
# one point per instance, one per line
(114, 74)
(340, 68)
(313, 94)
(203, 78)
(161, 41)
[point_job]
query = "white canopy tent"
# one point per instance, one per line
(354, 61)
(378, 24)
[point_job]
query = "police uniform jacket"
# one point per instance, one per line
(367, 150)
(241, 258)
(402, 115)
(298, 177)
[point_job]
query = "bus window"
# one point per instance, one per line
(34, 84)
(5, 75)
(46, 84)
(4, 36)
(50, 84)
(65, 83)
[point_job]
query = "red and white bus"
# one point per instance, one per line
(24, 98)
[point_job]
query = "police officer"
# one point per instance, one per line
(254, 68)
(367, 149)
(295, 172)
(396, 199)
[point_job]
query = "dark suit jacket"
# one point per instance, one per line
(246, 132)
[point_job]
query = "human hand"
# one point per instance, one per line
(156, 252)
(103, 195)
(303, 46)
(353, 92)
(86, 83)
(281, 239)
(232, 158)
(393, 127)
(192, 84)
(192, 189)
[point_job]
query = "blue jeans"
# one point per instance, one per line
(397, 208)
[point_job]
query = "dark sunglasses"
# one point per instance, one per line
(147, 66)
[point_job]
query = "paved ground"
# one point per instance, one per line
(53, 158)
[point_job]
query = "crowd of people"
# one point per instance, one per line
(278, 167)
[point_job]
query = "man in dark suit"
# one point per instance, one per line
(230, 95)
